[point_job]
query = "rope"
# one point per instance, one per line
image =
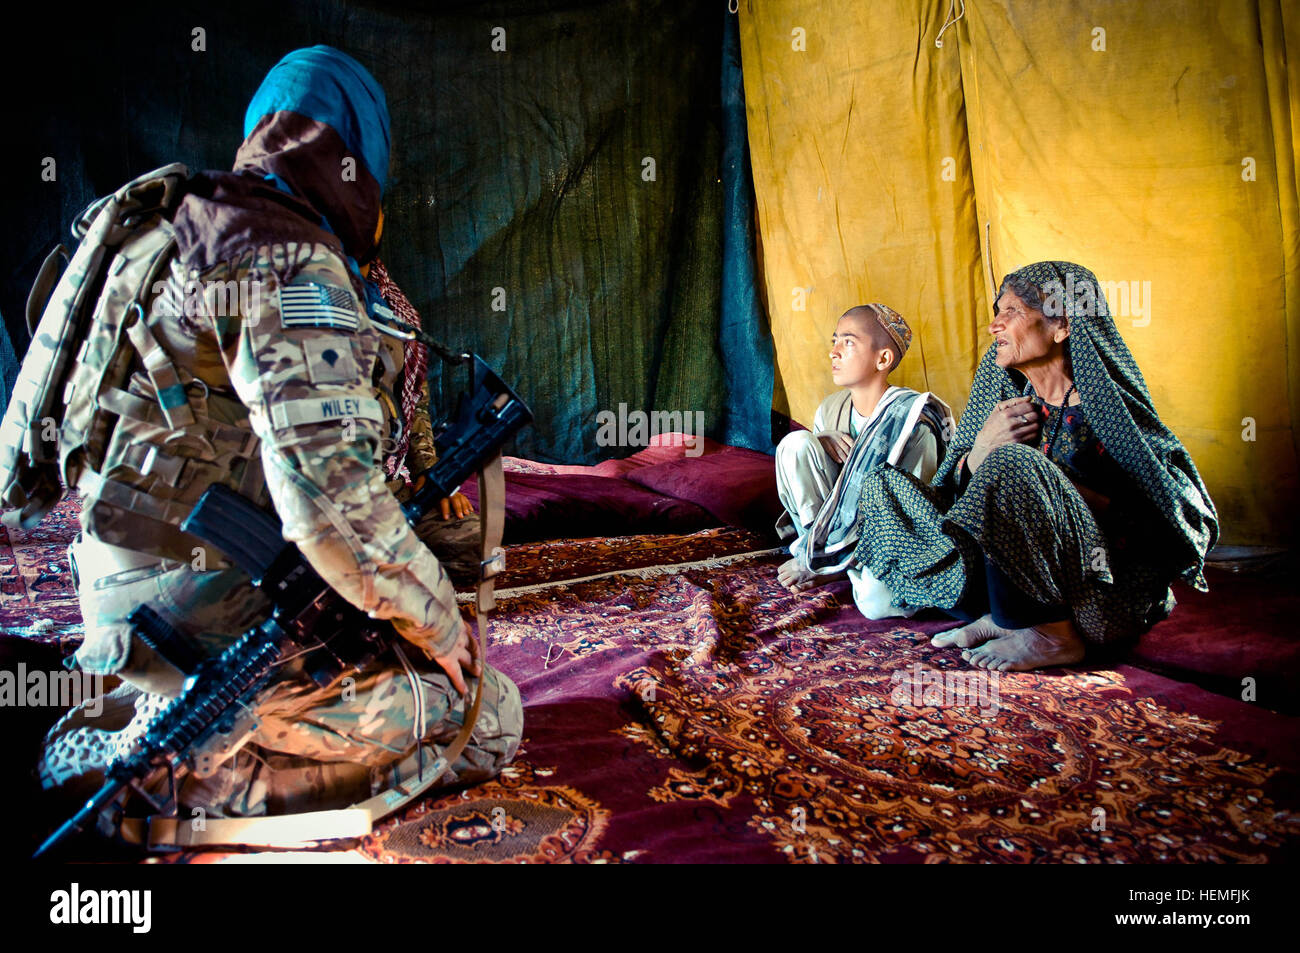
(950, 20)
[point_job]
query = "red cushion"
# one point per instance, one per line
(737, 486)
(561, 506)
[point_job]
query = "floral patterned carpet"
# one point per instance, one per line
(708, 715)
(681, 706)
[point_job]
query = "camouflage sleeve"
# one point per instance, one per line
(300, 360)
(421, 454)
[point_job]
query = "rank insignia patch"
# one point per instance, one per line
(309, 305)
(329, 360)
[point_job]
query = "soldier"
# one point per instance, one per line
(255, 367)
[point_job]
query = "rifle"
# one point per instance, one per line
(214, 714)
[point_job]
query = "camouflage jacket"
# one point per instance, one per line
(279, 378)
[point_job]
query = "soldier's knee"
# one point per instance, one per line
(456, 543)
(504, 708)
(499, 729)
(434, 531)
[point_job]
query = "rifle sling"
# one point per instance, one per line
(282, 830)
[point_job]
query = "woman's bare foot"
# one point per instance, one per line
(1019, 650)
(970, 635)
(795, 579)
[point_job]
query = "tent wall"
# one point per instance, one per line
(884, 168)
(888, 169)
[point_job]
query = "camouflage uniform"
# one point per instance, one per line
(250, 393)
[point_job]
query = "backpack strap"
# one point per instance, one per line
(126, 497)
(162, 373)
(43, 286)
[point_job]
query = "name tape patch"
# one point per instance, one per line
(315, 410)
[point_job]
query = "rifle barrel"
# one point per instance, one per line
(83, 817)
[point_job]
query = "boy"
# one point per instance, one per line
(867, 423)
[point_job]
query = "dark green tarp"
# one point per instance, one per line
(624, 281)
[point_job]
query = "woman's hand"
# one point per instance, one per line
(837, 444)
(457, 504)
(1010, 421)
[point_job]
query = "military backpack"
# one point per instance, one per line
(85, 338)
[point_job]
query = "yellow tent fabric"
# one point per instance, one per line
(1153, 143)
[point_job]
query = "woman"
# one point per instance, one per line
(1064, 507)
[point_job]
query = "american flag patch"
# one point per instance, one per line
(310, 305)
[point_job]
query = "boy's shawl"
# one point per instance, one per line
(827, 546)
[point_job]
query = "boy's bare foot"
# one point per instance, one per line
(795, 579)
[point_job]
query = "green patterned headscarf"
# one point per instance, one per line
(1117, 405)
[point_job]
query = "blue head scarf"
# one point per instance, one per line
(329, 86)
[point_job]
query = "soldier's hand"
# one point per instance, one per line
(462, 658)
(457, 504)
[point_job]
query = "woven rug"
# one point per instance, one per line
(708, 715)
(681, 706)
(37, 597)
